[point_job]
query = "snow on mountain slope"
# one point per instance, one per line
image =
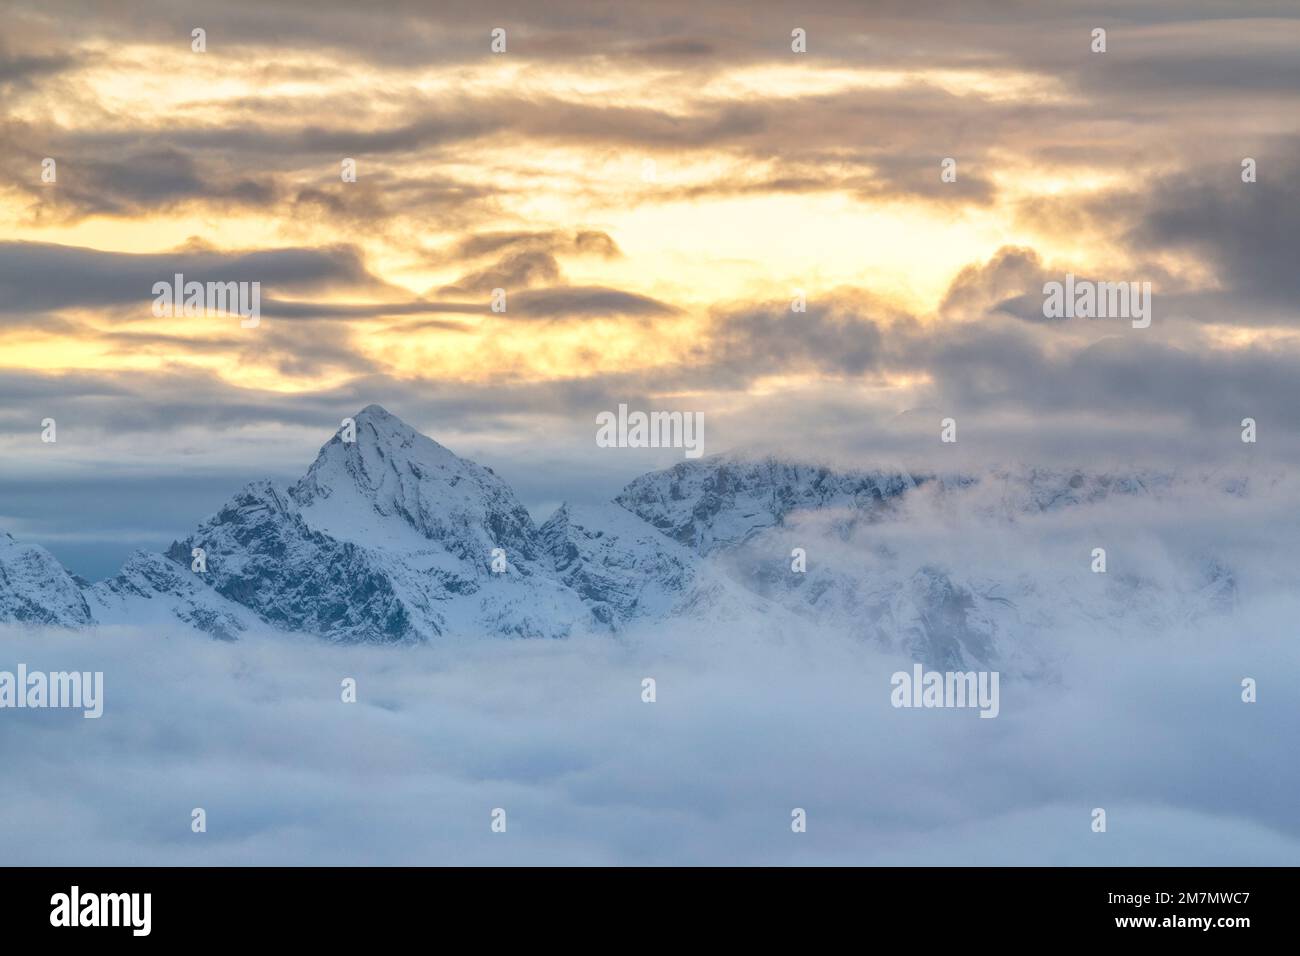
(956, 571)
(396, 488)
(625, 570)
(35, 588)
(717, 502)
(1010, 494)
(387, 538)
(154, 591)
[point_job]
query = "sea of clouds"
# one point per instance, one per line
(556, 733)
(1146, 721)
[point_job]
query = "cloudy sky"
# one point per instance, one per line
(652, 184)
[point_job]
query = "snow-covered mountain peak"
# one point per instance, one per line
(35, 588)
(393, 487)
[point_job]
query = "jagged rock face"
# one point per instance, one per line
(35, 588)
(715, 503)
(749, 517)
(625, 570)
(387, 538)
(1026, 491)
(154, 590)
(261, 554)
(736, 512)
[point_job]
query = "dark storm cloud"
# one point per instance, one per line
(18, 388)
(343, 140)
(674, 49)
(442, 202)
(36, 277)
(154, 179)
(1005, 365)
(291, 349)
(1179, 73)
(144, 401)
(525, 259)
(834, 338)
(1248, 232)
(165, 401)
(168, 174)
(581, 302)
(282, 309)
(276, 142)
(23, 69)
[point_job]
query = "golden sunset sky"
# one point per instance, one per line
(652, 184)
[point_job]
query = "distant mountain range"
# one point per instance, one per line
(393, 538)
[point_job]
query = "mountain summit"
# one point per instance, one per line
(388, 537)
(391, 537)
(395, 487)
(35, 588)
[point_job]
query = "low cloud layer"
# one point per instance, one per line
(1150, 727)
(1132, 707)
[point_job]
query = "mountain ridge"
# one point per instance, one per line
(393, 538)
